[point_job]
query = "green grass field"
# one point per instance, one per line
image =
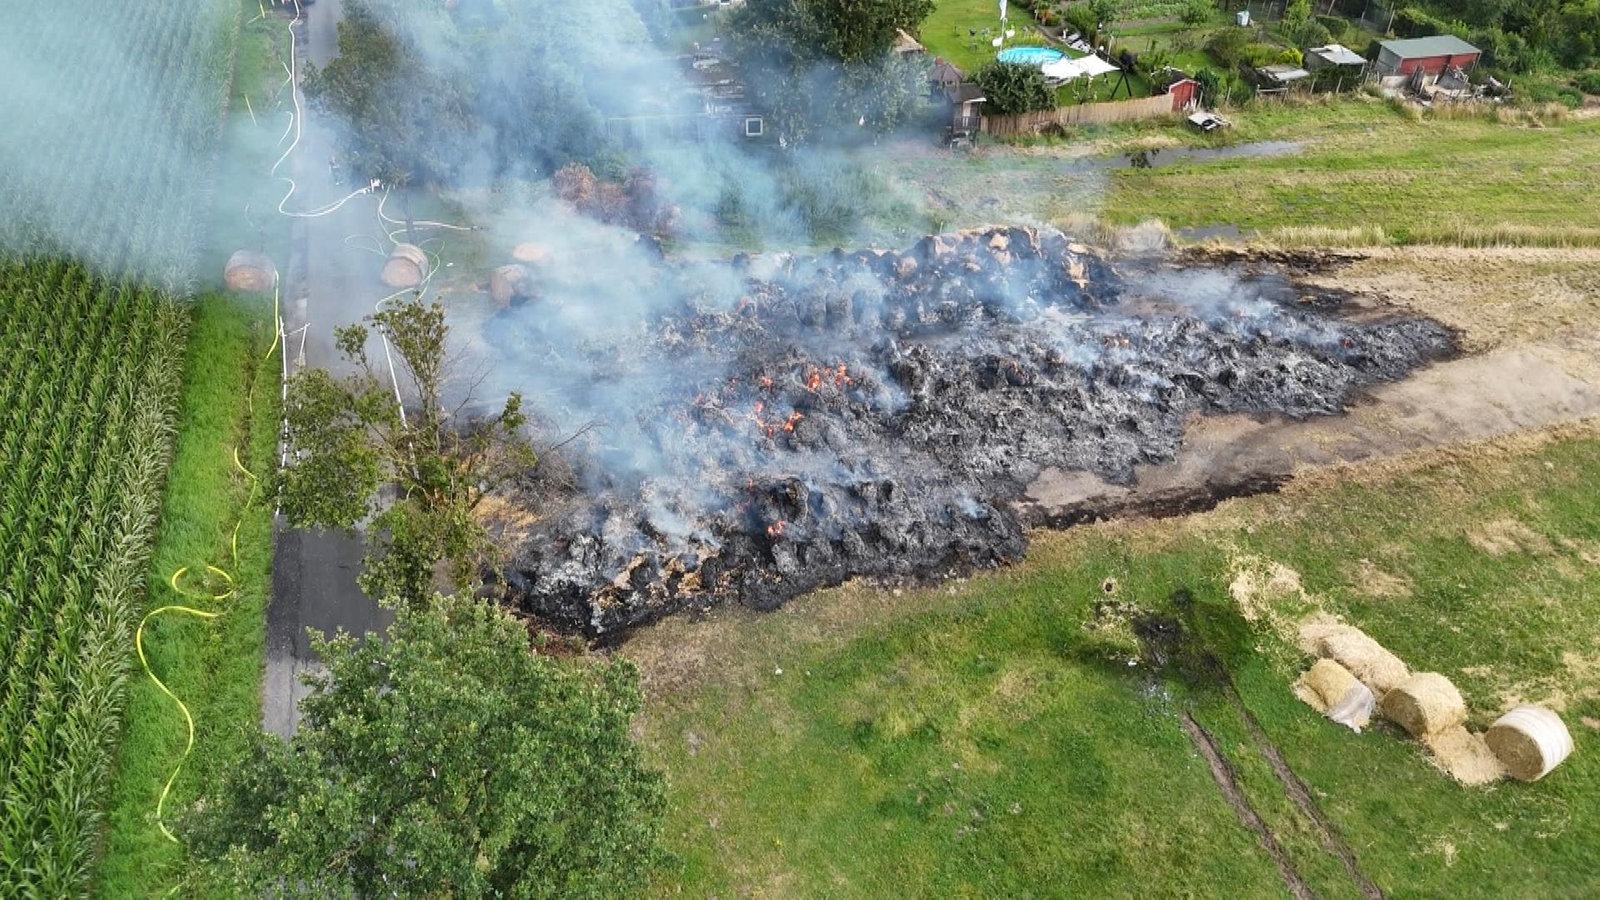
(1365, 165)
(230, 400)
(983, 740)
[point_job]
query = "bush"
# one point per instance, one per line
(1588, 82)
(1212, 90)
(1196, 12)
(1291, 56)
(1414, 23)
(1082, 20)
(1256, 55)
(1046, 17)
(1336, 26)
(1226, 45)
(1011, 88)
(1311, 33)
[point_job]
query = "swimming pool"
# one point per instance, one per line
(1030, 56)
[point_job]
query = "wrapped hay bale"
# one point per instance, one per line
(406, 268)
(1338, 694)
(250, 271)
(507, 283)
(1426, 703)
(1366, 659)
(1529, 741)
(530, 252)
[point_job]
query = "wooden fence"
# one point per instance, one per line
(1082, 114)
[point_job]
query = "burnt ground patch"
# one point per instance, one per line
(786, 423)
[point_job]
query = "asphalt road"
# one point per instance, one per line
(333, 281)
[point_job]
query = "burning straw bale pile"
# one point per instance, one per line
(779, 423)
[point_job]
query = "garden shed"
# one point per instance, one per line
(1333, 56)
(1430, 55)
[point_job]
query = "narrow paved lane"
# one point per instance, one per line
(333, 281)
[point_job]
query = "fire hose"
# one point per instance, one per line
(229, 587)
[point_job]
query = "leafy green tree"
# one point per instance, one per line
(1010, 88)
(445, 761)
(407, 118)
(828, 64)
(348, 437)
(813, 30)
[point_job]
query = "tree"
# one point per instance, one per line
(447, 760)
(1010, 88)
(349, 436)
(828, 63)
(814, 30)
(407, 119)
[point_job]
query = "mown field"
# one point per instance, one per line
(88, 384)
(1397, 176)
(986, 739)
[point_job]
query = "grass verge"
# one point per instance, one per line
(230, 399)
(982, 740)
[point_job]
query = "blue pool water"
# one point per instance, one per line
(1030, 56)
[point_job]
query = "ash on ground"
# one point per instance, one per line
(777, 424)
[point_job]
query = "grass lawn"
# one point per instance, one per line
(1364, 165)
(945, 35)
(230, 400)
(982, 740)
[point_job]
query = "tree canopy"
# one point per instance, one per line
(408, 118)
(447, 760)
(348, 437)
(817, 64)
(1010, 88)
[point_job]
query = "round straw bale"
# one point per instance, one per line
(1333, 691)
(507, 283)
(406, 268)
(250, 271)
(1424, 704)
(1530, 741)
(1366, 659)
(530, 252)
(1329, 680)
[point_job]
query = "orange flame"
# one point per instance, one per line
(776, 528)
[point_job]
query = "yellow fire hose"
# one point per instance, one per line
(214, 592)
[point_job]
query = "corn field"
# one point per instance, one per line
(88, 384)
(113, 113)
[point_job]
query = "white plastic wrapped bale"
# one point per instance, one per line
(1530, 741)
(1338, 694)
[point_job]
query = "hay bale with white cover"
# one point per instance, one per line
(406, 267)
(250, 271)
(1529, 741)
(1366, 659)
(1424, 704)
(1337, 694)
